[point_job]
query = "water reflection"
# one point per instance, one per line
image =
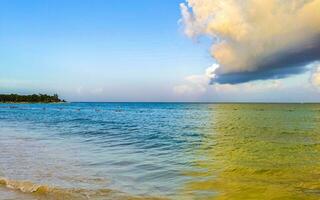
(258, 152)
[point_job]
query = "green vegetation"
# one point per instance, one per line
(34, 98)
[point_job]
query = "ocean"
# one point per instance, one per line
(159, 151)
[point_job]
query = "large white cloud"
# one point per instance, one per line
(256, 39)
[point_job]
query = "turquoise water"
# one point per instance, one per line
(159, 151)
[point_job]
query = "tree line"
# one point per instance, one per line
(34, 98)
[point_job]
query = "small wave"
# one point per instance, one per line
(44, 192)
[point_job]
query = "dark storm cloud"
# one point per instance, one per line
(292, 61)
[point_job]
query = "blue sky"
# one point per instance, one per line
(113, 51)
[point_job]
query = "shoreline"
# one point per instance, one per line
(43, 191)
(34, 102)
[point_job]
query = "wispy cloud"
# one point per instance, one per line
(196, 85)
(315, 76)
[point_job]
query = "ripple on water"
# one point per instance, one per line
(177, 151)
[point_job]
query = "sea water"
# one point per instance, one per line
(159, 151)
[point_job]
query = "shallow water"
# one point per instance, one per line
(159, 151)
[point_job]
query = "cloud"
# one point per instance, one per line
(254, 39)
(196, 86)
(315, 77)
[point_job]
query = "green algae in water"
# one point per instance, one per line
(259, 151)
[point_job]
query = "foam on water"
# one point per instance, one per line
(32, 190)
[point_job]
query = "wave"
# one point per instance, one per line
(44, 192)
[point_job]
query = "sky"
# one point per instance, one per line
(156, 51)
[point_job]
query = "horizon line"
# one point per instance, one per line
(198, 102)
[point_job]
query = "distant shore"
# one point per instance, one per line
(34, 102)
(34, 98)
